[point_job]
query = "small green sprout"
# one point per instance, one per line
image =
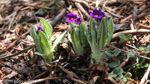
(124, 39)
(117, 74)
(42, 39)
(127, 77)
(114, 53)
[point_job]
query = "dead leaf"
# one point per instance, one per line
(97, 70)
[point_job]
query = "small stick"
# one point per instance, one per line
(125, 19)
(132, 47)
(145, 77)
(124, 63)
(85, 4)
(133, 32)
(116, 15)
(58, 17)
(111, 79)
(144, 26)
(120, 11)
(40, 80)
(36, 6)
(10, 45)
(2, 57)
(82, 10)
(42, 74)
(139, 16)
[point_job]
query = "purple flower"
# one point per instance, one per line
(78, 20)
(97, 14)
(38, 29)
(71, 17)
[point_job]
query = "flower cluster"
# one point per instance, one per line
(73, 18)
(97, 14)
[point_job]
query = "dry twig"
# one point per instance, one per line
(82, 10)
(133, 32)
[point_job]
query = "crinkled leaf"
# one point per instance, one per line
(119, 77)
(128, 74)
(114, 64)
(125, 37)
(112, 75)
(118, 70)
(125, 80)
(116, 52)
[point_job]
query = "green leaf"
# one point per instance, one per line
(47, 29)
(148, 47)
(112, 75)
(118, 70)
(119, 77)
(45, 46)
(114, 64)
(145, 66)
(48, 58)
(76, 41)
(110, 26)
(86, 32)
(92, 29)
(69, 37)
(38, 53)
(125, 80)
(42, 11)
(128, 74)
(58, 40)
(123, 37)
(35, 38)
(102, 33)
(82, 37)
(116, 52)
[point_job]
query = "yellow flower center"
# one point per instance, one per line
(71, 18)
(96, 15)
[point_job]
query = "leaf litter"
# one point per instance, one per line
(19, 64)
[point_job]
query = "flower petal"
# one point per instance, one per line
(92, 15)
(95, 12)
(78, 20)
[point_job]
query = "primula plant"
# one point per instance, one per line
(77, 37)
(42, 39)
(99, 33)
